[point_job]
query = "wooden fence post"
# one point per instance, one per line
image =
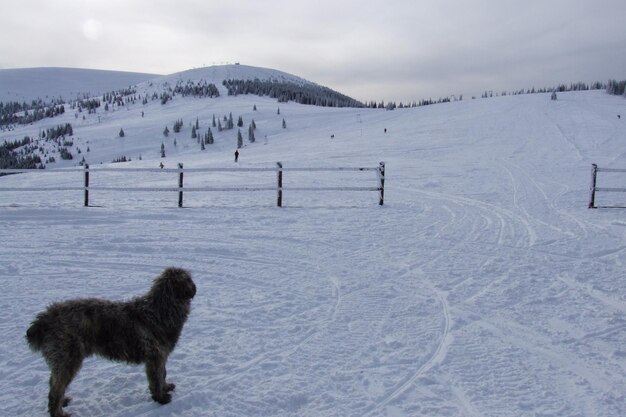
(279, 201)
(86, 185)
(592, 190)
(381, 178)
(180, 185)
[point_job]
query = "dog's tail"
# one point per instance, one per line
(35, 335)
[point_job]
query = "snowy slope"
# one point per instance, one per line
(483, 287)
(26, 84)
(217, 73)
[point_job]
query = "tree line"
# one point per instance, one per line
(283, 91)
(12, 159)
(15, 113)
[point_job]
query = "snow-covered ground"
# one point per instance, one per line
(26, 84)
(483, 287)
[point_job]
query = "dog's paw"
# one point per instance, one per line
(66, 401)
(170, 387)
(163, 398)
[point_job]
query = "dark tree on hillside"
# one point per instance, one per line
(178, 124)
(239, 139)
(121, 134)
(166, 132)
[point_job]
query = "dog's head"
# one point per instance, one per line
(177, 282)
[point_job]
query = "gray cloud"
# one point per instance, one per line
(372, 50)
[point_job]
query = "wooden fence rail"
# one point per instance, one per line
(181, 189)
(593, 189)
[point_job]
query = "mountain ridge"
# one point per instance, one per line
(48, 83)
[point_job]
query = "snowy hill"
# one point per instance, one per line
(483, 287)
(143, 113)
(26, 84)
(218, 73)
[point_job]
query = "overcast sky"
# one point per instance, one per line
(400, 50)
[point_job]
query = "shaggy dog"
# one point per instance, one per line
(142, 330)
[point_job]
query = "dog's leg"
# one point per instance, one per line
(60, 379)
(155, 371)
(168, 387)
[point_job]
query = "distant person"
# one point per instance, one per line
(236, 155)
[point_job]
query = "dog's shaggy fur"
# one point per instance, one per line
(142, 330)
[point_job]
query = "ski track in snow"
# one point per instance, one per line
(484, 286)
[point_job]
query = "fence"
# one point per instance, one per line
(595, 189)
(181, 189)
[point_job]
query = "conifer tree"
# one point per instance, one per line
(166, 132)
(239, 139)
(240, 122)
(162, 150)
(284, 124)
(251, 133)
(121, 134)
